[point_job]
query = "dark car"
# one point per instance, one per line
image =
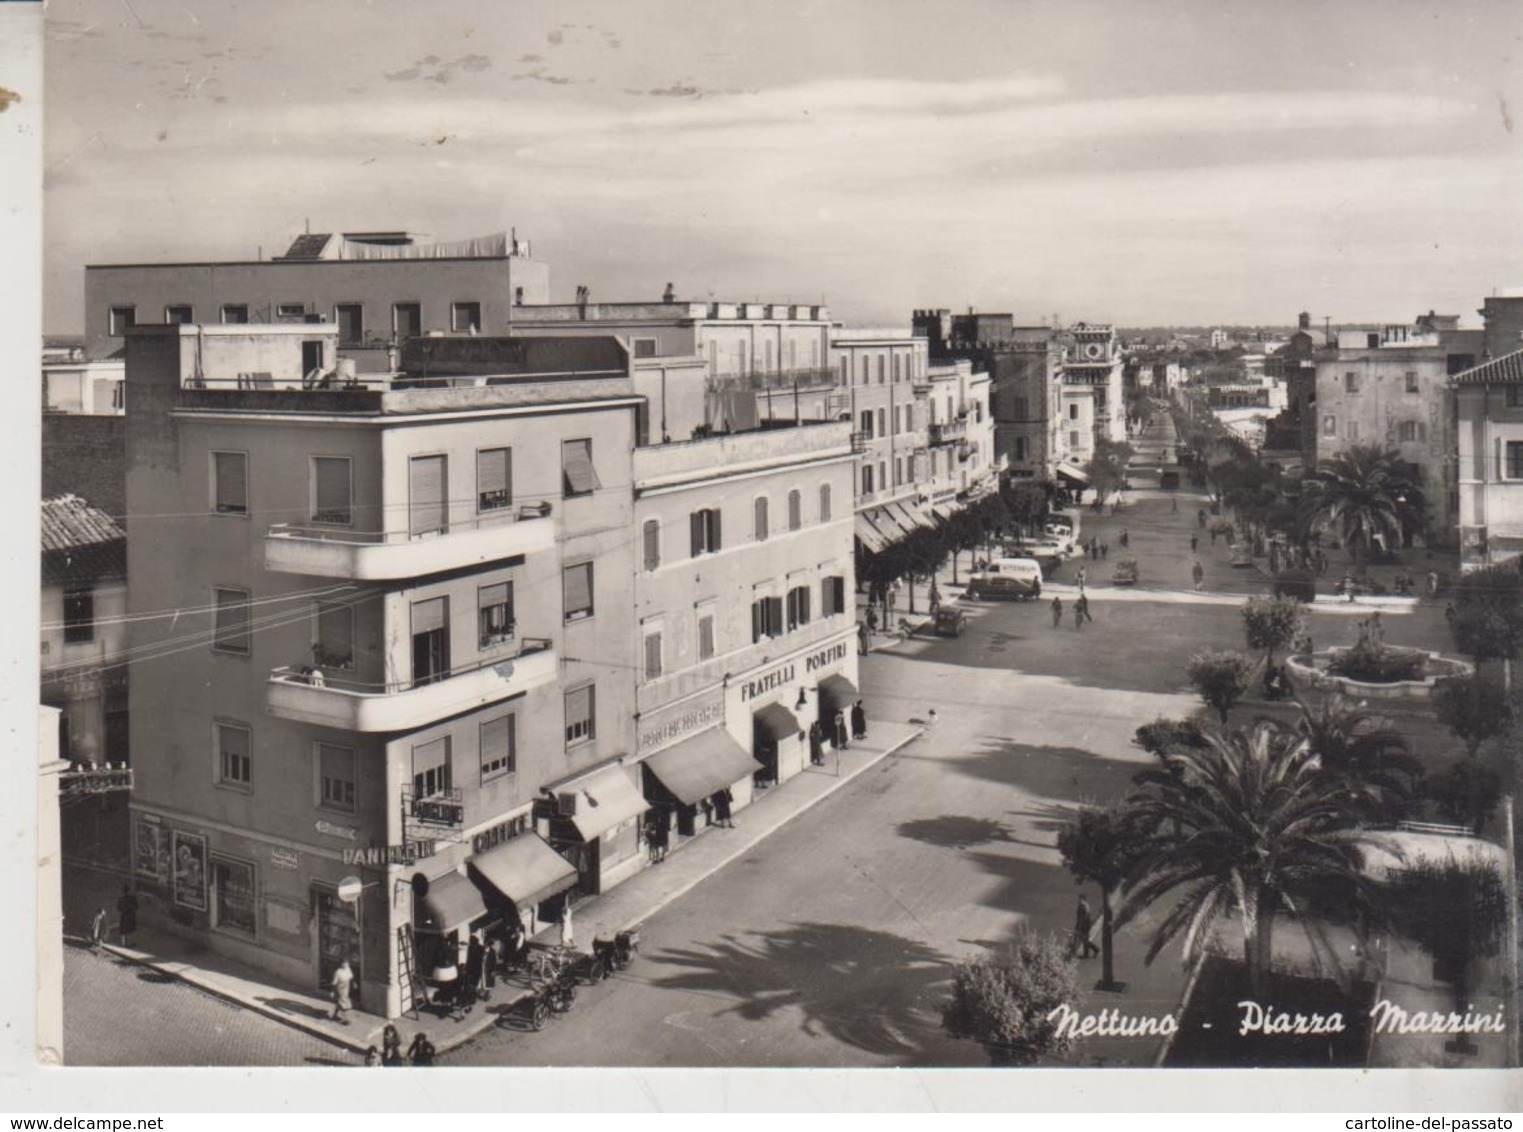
(950, 622)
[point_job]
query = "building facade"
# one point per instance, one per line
(1489, 439)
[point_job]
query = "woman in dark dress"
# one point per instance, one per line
(858, 721)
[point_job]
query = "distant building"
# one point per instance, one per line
(1219, 339)
(1489, 408)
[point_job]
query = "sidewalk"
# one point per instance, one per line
(637, 899)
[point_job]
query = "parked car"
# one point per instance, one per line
(1238, 555)
(1046, 555)
(1126, 572)
(950, 621)
(1007, 577)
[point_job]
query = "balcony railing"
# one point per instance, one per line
(859, 441)
(332, 699)
(951, 432)
(773, 379)
(339, 552)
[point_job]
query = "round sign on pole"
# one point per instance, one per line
(349, 889)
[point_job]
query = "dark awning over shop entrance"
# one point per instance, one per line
(705, 764)
(603, 801)
(837, 693)
(525, 870)
(776, 722)
(1073, 473)
(452, 900)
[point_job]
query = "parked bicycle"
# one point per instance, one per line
(555, 996)
(617, 953)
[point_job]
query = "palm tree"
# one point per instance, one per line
(1363, 754)
(1245, 824)
(1366, 496)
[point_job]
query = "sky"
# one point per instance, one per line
(1144, 163)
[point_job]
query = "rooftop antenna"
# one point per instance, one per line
(309, 225)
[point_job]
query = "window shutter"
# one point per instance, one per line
(428, 616)
(761, 519)
(795, 510)
(756, 621)
(578, 588)
(578, 705)
(331, 490)
(695, 530)
(427, 484)
(775, 620)
(803, 605)
(232, 483)
(705, 637)
(577, 471)
(824, 502)
(825, 597)
(494, 474)
(652, 544)
(838, 590)
(497, 743)
(714, 539)
(652, 655)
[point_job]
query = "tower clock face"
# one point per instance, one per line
(1094, 351)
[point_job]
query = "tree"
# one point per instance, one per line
(1488, 614)
(1026, 502)
(1099, 846)
(1107, 467)
(1003, 1001)
(1363, 754)
(962, 531)
(1246, 824)
(1162, 736)
(1220, 677)
(1272, 623)
(1473, 709)
(1364, 495)
(1465, 793)
(1455, 911)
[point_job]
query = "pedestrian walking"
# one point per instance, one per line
(475, 967)
(1194, 542)
(1200, 516)
(99, 926)
(862, 639)
(816, 744)
(1079, 577)
(343, 983)
(723, 800)
(1125, 539)
(1449, 612)
(126, 915)
(653, 835)
(935, 598)
(1081, 607)
(842, 736)
(1432, 584)
(568, 930)
(1057, 611)
(391, 1047)
(1078, 614)
(1084, 922)
(858, 721)
(1198, 572)
(421, 1052)
(1105, 550)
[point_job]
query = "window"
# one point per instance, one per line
(1020, 449)
(465, 317)
(795, 510)
(494, 616)
(1073, 411)
(1514, 396)
(845, 371)
(351, 323)
(234, 767)
(883, 473)
(578, 477)
(499, 747)
(179, 314)
(230, 483)
(897, 361)
(577, 581)
(290, 312)
(427, 486)
(705, 631)
(1515, 460)
(652, 537)
(430, 641)
(518, 296)
(881, 368)
(1372, 342)
(798, 607)
(867, 424)
(766, 618)
(1411, 382)
(234, 908)
(832, 595)
(1352, 428)
(1073, 440)
(120, 320)
(760, 507)
(704, 528)
(231, 629)
(78, 617)
(1329, 425)
(335, 777)
(1407, 431)
(866, 369)
(330, 490)
(235, 314)
(909, 418)
(824, 503)
(882, 422)
(867, 479)
(431, 769)
(333, 629)
(406, 320)
(581, 721)
(644, 347)
(1351, 382)
(653, 655)
(494, 479)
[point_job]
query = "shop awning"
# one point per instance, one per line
(603, 801)
(452, 900)
(868, 535)
(908, 515)
(837, 693)
(704, 764)
(943, 510)
(525, 870)
(776, 722)
(894, 523)
(1074, 473)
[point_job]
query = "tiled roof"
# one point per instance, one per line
(308, 246)
(1507, 369)
(69, 522)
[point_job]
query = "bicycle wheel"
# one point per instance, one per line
(596, 971)
(539, 1014)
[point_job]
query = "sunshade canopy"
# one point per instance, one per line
(603, 801)
(525, 870)
(452, 900)
(702, 765)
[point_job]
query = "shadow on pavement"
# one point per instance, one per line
(954, 831)
(873, 990)
(1051, 772)
(289, 1006)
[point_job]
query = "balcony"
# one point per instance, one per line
(350, 705)
(373, 556)
(952, 432)
(774, 379)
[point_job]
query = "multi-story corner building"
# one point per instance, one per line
(401, 643)
(1489, 410)
(1390, 387)
(83, 646)
(1094, 404)
(378, 288)
(962, 459)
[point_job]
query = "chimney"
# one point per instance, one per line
(669, 295)
(1305, 321)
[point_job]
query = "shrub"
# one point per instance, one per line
(1465, 794)
(1163, 736)
(1272, 623)
(1473, 709)
(1371, 663)
(1003, 1001)
(1221, 678)
(1298, 584)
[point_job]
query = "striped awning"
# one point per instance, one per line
(1073, 472)
(943, 510)
(868, 535)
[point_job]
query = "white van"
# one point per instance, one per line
(1007, 577)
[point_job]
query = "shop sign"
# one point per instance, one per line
(404, 854)
(497, 834)
(786, 674)
(348, 832)
(283, 858)
(658, 730)
(824, 657)
(436, 811)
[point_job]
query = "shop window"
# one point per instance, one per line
(798, 607)
(578, 477)
(230, 483)
(581, 721)
(179, 314)
(431, 775)
(235, 314)
(499, 747)
(331, 490)
(494, 479)
(577, 583)
(495, 614)
(120, 320)
(824, 503)
(706, 631)
(78, 617)
(333, 643)
(653, 658)
(465, 317)
(234, 762)
(795, 510)
(651, 532)
(234, 908)
(230, 631)
(335, 777)
(760, 507)
(704, 528)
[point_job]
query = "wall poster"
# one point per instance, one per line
(190, 870)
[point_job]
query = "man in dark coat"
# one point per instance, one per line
(126, 913)
(841, 735)
(858, 721)
(475, 964)
(816, 744)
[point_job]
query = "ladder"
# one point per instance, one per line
(407, 974)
